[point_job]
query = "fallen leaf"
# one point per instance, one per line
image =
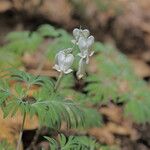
(140, 67)
(113, 113)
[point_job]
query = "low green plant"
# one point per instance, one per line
(20, 42)
(51, 108)
(115, 80)
(57, 102)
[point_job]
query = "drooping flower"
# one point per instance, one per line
(85, 45)
(81, 68)
(84, 42)
(64, 62)
(77, 33)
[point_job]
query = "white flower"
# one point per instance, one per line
(81, 68)
(85, 45)
(64, 62)
(77, 33)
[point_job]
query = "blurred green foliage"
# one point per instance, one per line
(4, 145)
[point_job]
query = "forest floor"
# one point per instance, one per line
(125, 24)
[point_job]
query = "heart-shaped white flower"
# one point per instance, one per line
(77, 33)
(85, 45)
(64, 62)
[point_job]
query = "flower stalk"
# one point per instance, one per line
(58, 81)
(21, 131)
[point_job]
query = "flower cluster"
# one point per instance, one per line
(64, 59)
(84, 42)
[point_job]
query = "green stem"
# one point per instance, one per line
(21, 132)
(58, 81)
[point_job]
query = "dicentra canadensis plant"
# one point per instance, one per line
(47, 102)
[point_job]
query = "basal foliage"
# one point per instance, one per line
(50, 107)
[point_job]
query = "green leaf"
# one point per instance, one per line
(4, 91)
(20, 42)
(73, 143)
(48, 31)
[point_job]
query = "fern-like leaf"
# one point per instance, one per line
(73, 143)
